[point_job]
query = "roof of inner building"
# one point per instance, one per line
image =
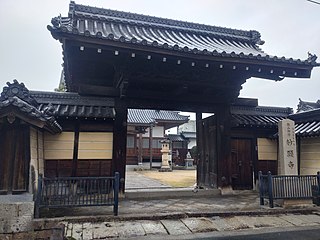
(258, 116)
(160, 33)
(74, 105)
(307, 106)
(176, 138)
(15, 99)
(147, 116)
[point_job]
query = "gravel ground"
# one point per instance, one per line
(176, 178)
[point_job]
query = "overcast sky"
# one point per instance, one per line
(290, 28)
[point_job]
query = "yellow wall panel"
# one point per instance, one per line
(95, 146)
(310, 156)
(94, 154)
(311, 164)
(59, 146)
(64, 136)
(310, 147)
(96, 137)
(308, 171)
(267, 149)
(310, 141)
(61, 154)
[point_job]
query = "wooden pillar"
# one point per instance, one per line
(151, 144)
(75, 150)
(140, 148)
(200, 150)
(223, 116)
(120, 141)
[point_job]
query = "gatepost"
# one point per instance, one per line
(288, 163)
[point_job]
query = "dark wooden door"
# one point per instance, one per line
(207, 167)
(242, 163)
(14, 159)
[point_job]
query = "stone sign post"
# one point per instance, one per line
(288, 164)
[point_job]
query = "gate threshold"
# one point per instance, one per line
(165, 193)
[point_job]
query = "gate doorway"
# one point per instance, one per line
(242, 164)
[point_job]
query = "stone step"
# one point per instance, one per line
(160, 193)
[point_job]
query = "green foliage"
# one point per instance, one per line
(194, 153)
(61, 88)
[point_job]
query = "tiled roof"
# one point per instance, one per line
(189, 134)
(74, 105)
(258, 116)
(307, 129)
(147, 116)
(176, 138)
(16, 99)
(154, 32)
(307, 106)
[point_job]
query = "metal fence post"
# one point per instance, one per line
(270, 191)
(38, 197)
(116, 193)
(318, 178)
(260, 188)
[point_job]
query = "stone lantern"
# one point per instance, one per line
(165, 150)
(189, 161)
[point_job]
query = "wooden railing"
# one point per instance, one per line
(286, 187)
(77, 192)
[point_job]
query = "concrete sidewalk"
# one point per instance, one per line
(188, 228)
(238, 201)
(175, 217)
(180, 218)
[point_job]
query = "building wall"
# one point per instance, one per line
(267, 149)
(192, 143)
(95, 145)
(93, 153)
(58, 146)
(309, 156)
(157, 131)
(36, 158)
(267, 156)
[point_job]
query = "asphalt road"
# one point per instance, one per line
(313, 234)
(295, 233)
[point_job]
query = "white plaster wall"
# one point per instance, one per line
(157, 131)
(36, 158)
(192, 143)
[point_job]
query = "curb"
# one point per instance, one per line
(50, 222)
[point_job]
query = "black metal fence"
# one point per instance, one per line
(77, 192)
(286, 187)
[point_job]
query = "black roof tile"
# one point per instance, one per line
(176, 138)
(17, 97)
(130, 28)
(74, 105)
(258, 116)
(147, 116)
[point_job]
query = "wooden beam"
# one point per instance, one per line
(200, 150)
(75, 150)
(98, 90)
